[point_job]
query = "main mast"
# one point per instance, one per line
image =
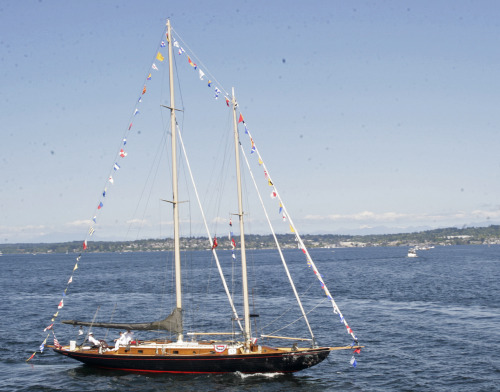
(246, 307)
(175, 202)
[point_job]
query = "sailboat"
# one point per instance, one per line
(207, 352)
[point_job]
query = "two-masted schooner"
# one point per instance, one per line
(206, 352)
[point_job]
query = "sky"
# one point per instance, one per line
(372, 117)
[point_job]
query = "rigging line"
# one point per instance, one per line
(92, 323)
(198, 60)
(110, 320)
(207, 230)
(128, 127)
(278, 246)
(293, 322)
(155, 162)
(310, 262)
(285, 311)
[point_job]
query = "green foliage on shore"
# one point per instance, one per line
(446, 236)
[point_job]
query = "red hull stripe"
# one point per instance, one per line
(180, 372)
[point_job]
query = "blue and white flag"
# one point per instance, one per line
(116, 167)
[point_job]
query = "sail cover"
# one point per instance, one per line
(172, 323)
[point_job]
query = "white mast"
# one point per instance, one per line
(246, 307)
(175, 202)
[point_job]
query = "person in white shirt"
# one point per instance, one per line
(121, 341)
(93, 340)
(129, 336)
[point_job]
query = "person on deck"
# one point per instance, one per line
(129, 336)
(93, 340)
(121, 341)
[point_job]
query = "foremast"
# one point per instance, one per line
(175, 197)
(246, 306)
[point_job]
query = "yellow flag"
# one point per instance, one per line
(160, 57)
(76, 267)
(291, 229)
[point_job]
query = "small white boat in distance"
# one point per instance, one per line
(412, 252)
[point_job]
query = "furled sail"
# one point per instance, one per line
(172, 323)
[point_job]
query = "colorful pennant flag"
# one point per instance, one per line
(123, 154)
(191, 63)
(154, 67)
(160, 57)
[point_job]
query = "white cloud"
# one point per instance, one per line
(365, 218)
(79, 223)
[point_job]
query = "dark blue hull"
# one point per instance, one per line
(282, 362)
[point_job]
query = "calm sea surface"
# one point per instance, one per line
(428, 324)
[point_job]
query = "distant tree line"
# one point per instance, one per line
(446, 236)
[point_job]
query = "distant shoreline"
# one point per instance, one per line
(449, 236)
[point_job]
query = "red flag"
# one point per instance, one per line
(214, 245)
(357, 351)
(144, 90)
(241, 119)
(84, 244)
(227, 101)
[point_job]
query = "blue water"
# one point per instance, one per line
(428, 324)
